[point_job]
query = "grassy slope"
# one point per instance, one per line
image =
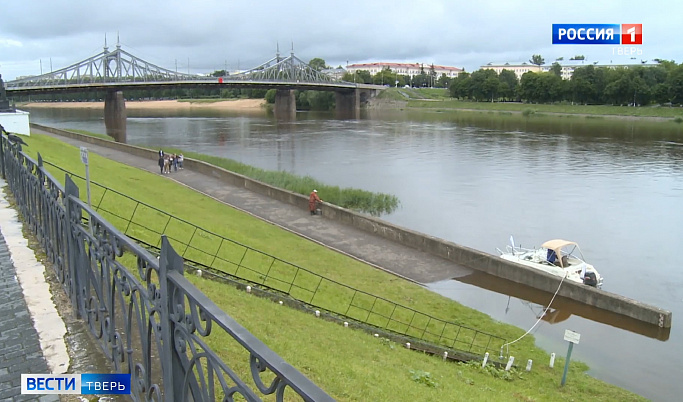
(438, 98)
(350, 365)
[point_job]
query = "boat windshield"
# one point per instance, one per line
(560, 250)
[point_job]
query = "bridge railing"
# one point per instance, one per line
(148, 319)
(222, 256)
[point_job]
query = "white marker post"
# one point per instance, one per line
(573, 338)
(84, 159)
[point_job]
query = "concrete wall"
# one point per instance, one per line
(462, 255)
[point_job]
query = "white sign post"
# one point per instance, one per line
(84, 159)
(573, 338)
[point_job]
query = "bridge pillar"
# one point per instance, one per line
(347, 104)
(285, 104)
(115, 115)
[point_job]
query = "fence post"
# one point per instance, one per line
(174, 375)
(73, 249)
(2, 156)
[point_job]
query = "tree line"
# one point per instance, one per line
(640, 85)
(426, 78)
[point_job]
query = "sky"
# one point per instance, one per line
(202, 36)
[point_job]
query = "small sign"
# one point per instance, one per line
(572, 336)
(84, 155)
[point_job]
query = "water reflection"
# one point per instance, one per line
(561, 308)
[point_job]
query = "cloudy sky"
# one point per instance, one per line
(211, 34)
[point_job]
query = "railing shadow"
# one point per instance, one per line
(208, 250)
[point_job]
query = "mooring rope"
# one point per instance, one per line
(537, 321)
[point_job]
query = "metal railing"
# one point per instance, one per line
(149, 321)
(206, 249)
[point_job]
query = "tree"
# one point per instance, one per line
(484, 85)
(541, 87)
(508, 84)
(460, 86)
(587, 84)
(675, 84)
(270, 96)
(384, 77)
(360, 77)
(578, 57)
(420, 80)
(317, 64)
(556, 69)
(537, 60)
(432, 75)
(320, 100)
(443, 81)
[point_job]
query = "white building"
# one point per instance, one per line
(411, 69)
(519, 67)
(568, 67)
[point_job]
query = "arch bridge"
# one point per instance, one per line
(114, 72)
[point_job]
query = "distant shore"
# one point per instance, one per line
(232, 104)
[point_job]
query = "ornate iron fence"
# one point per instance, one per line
(206, 249)
(150, 322)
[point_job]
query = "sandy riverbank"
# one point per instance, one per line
(232, 104)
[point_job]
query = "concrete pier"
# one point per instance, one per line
(285, 104)
(115, 115)
(347, 104)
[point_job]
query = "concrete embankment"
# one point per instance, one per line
(429, 246)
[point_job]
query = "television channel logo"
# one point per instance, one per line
(78, 384)
(597, 34)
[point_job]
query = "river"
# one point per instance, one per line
(613, 186)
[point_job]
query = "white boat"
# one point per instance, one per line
(557, 257)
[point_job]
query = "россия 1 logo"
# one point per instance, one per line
(597, 34)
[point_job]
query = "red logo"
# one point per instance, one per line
(631, 34)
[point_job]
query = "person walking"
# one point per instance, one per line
(313, 201)
(161, 163)
(180, 161)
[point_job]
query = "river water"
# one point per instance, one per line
(613, 186)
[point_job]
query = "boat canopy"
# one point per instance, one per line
(557, 244)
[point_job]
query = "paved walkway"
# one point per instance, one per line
(404, 261)
(20, 350)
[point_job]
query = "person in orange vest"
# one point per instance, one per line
(313, 199)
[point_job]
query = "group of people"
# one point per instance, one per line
(168, 161)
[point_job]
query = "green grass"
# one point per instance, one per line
(392, 94)
(369, 202)
(646, 111)
(90, 133)
(433, 93)
(348, 364)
